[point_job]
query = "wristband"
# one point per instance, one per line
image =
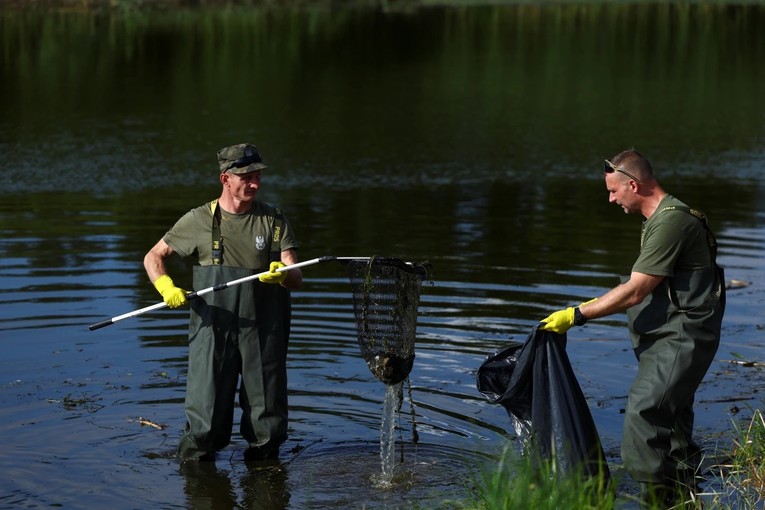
(579, 319)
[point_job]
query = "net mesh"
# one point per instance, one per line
(386, 295)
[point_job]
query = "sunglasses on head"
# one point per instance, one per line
(609, 168)
(245, 160)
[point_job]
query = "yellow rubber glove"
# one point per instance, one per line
(173, 296)
(560, 321)
(273, 276)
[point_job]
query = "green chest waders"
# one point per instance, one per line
(675, 333)
(240, 332)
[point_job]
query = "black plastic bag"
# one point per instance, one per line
(535, 383)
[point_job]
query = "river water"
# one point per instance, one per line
(469, 137)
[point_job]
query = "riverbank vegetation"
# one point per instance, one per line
(736, 482)
(174, 4)
(743, 475)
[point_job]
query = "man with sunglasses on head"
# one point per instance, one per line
(674, 299)
(240, 331)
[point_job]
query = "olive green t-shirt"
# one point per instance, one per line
(672, 240)
(246, 238)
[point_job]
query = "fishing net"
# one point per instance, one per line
(386, 294)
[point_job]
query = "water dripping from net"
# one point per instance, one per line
(386, 295)
(388, 436)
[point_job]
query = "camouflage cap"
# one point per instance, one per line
(240, 159)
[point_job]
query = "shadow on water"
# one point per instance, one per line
(466, 136)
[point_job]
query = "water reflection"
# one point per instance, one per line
(361, 97)
(466, 136)
(210, 487)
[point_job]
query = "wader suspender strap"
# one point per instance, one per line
(711, 242)
(217, 246)
(276, 244)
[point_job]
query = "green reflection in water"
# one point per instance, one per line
(497, 90)
(472, 137)
(467, 133)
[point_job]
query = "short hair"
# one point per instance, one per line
(634, 163)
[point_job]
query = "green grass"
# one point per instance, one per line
(514, 481)
(742, 476)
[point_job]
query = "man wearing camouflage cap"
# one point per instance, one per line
(241, 330)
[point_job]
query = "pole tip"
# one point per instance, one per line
(100, 325)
